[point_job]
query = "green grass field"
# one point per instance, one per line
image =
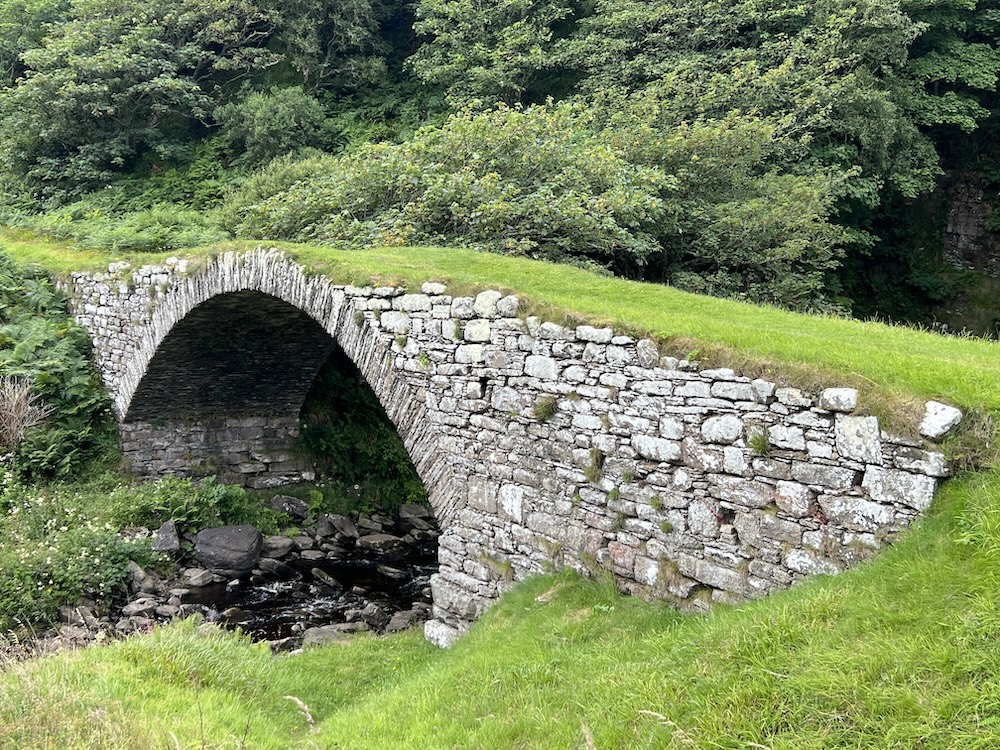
(903, 652)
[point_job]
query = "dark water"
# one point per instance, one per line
(276, 609)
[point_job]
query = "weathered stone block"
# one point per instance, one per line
(725, 429)
(657, 449)
(939, 419)
(794, 499)
(858, 438)
(477, 330)
(833, 477)
(485, 305)
(784, 436)
(544, 368)
(899, 487)
(412, 302)
(839, 399)
(596, 335)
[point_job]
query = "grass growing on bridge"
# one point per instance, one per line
(894, 366)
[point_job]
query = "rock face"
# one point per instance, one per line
(228, 548)
(692, 485)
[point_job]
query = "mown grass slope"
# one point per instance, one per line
(900, 653)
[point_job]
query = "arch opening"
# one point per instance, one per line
(254, 390)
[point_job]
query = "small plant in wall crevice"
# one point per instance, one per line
(545, 408)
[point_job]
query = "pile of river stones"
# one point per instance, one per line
(337, 576)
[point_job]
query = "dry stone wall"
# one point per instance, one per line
(543, 446)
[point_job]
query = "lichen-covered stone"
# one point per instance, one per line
(939, 419)
(858, 438)
(839, 399)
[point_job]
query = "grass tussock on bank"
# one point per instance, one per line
(898, 653)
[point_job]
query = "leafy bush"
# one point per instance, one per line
(193, 505)
(353, 443)
(55, 549)
(41, 345)
(264, 125)
(703, 205)
(160, 228)
(537, 182)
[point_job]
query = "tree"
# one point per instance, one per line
(119, 82)
(490, 51)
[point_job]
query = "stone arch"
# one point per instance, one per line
(260, 294)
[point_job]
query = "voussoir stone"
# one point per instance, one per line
(228, 547)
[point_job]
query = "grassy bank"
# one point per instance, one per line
(900, 653)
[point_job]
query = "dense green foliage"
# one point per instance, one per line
(191, 505)
(355, 448)
(773, 152)
(39, 344)
(56, 546)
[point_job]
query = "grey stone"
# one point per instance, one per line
(477, 331)
(433, 288)
(485, 305)
(276, 546)
(858, 438)
(385, 546)
(939, 419)
(839, 399)
(296, 507)
(784, 436)
(657, 449)
(724, 430)
(545, 368)
(794, 499)
(412, 302)
(441, 634)
(596, 335)
(647, 353)
(166, 538)
(507, 307)
(199, 578)
(325, 634)
(228, 547)
(899, 487)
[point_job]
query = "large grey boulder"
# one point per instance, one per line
(229, 548)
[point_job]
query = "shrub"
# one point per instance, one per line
(352, 442)
(539, 182)
(40, 345)
(160, 228)
(264, 125)
(56, 549)
(193, 505)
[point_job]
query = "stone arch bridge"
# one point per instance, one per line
(540, 446)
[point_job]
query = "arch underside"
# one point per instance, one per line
(222, 393)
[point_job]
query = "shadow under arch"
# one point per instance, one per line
(219, 375)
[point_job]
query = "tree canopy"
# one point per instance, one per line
(749, 148)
